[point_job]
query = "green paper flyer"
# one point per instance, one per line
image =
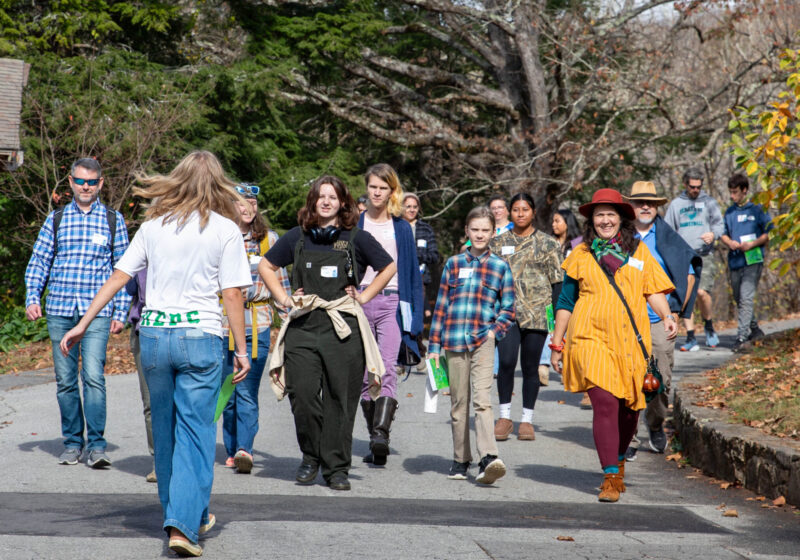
(225, 393)
(438, 376)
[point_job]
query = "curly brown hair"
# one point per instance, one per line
(348, 212)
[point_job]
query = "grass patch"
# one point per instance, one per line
(761, 389)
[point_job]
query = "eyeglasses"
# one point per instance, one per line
(248, 189)
(90, 182)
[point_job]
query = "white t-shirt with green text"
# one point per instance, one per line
(186, 269)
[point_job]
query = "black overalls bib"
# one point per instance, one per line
(323, 372)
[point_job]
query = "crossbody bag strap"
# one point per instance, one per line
(628, 309)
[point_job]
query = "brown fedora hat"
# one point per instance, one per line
(645, 190)
(608, 196)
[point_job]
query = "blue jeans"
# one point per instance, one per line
(92, 349)
(182, 368)
(240, 417)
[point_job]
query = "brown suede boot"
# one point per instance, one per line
(502, 429)
(611, 488)
(621, 466)
(526, 432)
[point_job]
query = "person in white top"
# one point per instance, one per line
(193, 251)
(395, 314)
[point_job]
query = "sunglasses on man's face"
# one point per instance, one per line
(90, 182)
(248, 189)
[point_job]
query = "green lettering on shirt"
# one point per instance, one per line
(191, 317)
(146, 318)
(174, 318)
(159, 322)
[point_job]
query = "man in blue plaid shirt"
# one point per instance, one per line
(73, 264)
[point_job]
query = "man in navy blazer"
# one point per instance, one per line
(683, 266)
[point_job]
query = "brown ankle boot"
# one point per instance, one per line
(611, 488)
(621, 466)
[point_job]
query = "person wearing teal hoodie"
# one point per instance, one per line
(697, 218)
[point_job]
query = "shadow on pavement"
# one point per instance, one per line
(137, 465)
(426, 463)
(55, 447)
(574, 479)
(580, 435)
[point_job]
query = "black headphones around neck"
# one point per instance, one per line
(324, 236)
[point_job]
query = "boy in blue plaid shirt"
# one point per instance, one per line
(475, 307)
(73, 262)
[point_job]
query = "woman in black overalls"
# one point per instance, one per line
(323, 371)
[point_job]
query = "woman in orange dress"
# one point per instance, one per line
(600, 352)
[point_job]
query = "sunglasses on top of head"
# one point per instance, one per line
(248, 189)
(90, 182)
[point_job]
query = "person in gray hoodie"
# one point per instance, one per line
(696, 216)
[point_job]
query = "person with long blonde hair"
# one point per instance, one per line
(193, 250)
(395, 314)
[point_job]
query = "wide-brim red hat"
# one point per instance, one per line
(608, 196)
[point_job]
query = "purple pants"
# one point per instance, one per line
(381, 312)
(613, 425)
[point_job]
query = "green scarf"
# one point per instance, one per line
(609, 254)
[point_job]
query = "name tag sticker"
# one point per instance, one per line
(329, 271)
(308, 265)
(422, 243)
(699, 205)
(465, 273)
(255, 259)
(99, 239)
(507, 250)
(636, 263)
(388, 234)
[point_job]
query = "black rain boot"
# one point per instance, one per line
(368, 408)
(385, 408)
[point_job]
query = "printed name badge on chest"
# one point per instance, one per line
(422, 243)
(464, 273)
(388, 233)
(99, 239)
(636, 263)
(699, 205)
(507, 250)
(329, 271)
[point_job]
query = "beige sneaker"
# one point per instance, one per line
(151, 476)
(586, 402)
(503, 429)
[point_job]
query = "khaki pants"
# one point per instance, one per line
(664, 352)
(471, 376)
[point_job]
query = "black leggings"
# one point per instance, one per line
(528, 344)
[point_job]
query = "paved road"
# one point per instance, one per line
(407, 510)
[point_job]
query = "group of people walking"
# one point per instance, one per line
(207, 277)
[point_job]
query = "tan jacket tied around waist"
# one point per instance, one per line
(302, 305)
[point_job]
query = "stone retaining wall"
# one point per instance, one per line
(765, 464)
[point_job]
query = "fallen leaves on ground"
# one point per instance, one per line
(563, 538)
(730, 513)
(760, 389)
(779, 501)
(674, 457)
(39, 355)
